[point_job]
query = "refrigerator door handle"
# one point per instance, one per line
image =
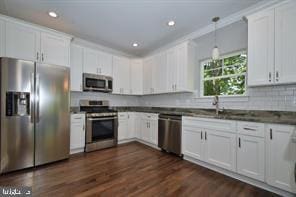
(32, 106)
(37, 97)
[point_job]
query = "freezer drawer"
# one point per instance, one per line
(169, 133)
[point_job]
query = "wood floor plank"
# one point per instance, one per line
(128, 170)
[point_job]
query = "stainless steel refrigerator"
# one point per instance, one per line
(34, 114)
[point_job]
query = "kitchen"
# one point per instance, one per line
(153, 101)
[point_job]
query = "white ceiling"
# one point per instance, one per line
(119, 23)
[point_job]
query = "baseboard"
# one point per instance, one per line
(140, 141)
(76, 150)
(239, 177)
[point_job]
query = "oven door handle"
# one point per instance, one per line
(93, 119)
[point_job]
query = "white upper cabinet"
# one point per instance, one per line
(105, 63)
(285, 42)
(121, 75)
(171, 69)
(261, 48)
(55, 49)
(147, 76)
(281, 156)
(136, 77)
(22, 42)
(90, 61)
(271, 41)
(76, 64)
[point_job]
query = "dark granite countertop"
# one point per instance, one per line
(280, 117)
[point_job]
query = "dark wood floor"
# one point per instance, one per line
(128, 170)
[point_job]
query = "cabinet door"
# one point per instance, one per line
(121, 75)
(145, 133)
(55, 49)
(181, 81)
(105, 64)
(90, 61)
(131, 125)
(285, 42)
(281, 157)
(153, 129)
(77, 137)
(147, 76)
(22, 42)
(159, 73)
(136, 77)
(76, 63)
(138, 125)
(122, 129)
(171, 69)
(193, 142)
(251, 157)
(261, 48)
(220, 149)
(2, 38)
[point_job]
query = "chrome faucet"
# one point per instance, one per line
(216, 103)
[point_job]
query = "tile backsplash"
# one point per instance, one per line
(276, 98)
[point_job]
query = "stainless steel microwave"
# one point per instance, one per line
(99, 83)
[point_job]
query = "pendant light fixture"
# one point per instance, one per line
(215, 52)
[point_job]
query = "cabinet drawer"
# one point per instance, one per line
(150, 116)
(251, 128)
(77, 118)
(122, 115)
(215, 124)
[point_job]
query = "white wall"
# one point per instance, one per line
(229, 39)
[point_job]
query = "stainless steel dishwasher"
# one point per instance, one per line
(169, 133)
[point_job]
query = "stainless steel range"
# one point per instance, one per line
(101, 124)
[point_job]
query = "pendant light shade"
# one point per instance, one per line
(215, 52)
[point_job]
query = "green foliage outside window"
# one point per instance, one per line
(226, 76)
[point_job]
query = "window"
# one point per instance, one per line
(226, 76)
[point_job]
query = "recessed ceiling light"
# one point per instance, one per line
(135, 44)
(53, 14)
(171, 23)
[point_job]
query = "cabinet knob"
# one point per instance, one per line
(269, 76)
(42, 57)
(277, 75)
(37, 56)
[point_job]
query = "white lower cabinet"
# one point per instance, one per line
(142, 126)
(149, 128)
(193, 143)
(220, 149)
(281, 156)
(77, 134)
(123, 129)
(251, 157)
(264, 152)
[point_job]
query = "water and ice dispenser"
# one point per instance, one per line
(17, 103)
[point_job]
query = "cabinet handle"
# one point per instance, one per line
(249, 129)
(83, 127)
(277, 76)
(37, 55)
(269, 76)
(42, 57)
(79, 118)
(200, 135)
(270, 133)
(206, 136)
(239, 142)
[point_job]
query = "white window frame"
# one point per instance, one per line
(233, 75)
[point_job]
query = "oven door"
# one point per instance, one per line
(94, 84)
(102, 128)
